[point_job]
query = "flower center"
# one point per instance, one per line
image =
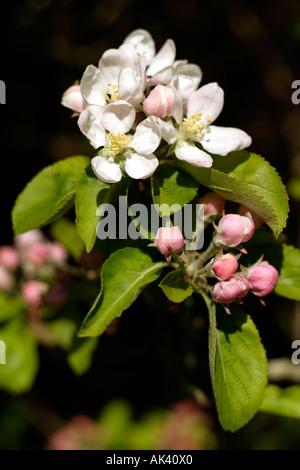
(112, 97)
(196, 125)
(116, 142)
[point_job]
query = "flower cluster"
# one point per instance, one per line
(231, 231)
(137, 99)
(30, 268)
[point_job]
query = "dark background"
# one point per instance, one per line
(250, 48)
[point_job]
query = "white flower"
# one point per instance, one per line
(109, 127)
(162, 67)
(120, 75)
(203, 107)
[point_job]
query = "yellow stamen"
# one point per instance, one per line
(104, 93)
(116, 142)
(192, 126)
(115, 94)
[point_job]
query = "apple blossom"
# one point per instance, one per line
(109, 127)
(58, 252)
(169, 240)
(162, 66)
(73, 99)
(224, 266)
(9, 257)
(213, 204)
(262, 278)
(234, 229)
(159, 101)
(244, 210)
(38, 253)
(204, 106)
(33, 291)
(142, 42)
(27, 239)
(120, 75)
(231, 290)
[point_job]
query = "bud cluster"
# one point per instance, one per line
(36, 269)
(234, 281)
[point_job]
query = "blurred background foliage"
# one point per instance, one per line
(148, 385)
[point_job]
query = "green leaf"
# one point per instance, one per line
(289, 273)
(285, 258)
(18, 374)
(175, 287)
(238, 367)
(248, 179)
(172, 186)
(124, 274)
(80, 358)
(282, 401)
(49, 195)
(10, 307)
(90, 194)
(212, 336)
(64, 231)
(63, 331)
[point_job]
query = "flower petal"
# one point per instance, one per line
(208, 100)
(142, 42)
(191, 154)
(164, 58)
(186, 87)
(72, 99)
(106, 170)
(192, 71)
(130, 86)
(222, 140)
(118, 117)
(177, 106)
(147, 136)
(110, 65)
(91, 86)
(162, 77)
(89, 123)
(141, 166)
(168, 131)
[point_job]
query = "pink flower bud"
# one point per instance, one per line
(6, 279)
(224, 266)
(262, 278)
(213, 204)
(80, 433)
(33, 291)
(234, 229)
(27, 239)
(38, 254)
(58, 253)
(226, 292)
(159, 101)
(244, 210)
(9, 257)
(169, 240)
(73, 99)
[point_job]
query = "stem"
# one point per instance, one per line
(79, 272)
(202, 289)
(201, 260)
